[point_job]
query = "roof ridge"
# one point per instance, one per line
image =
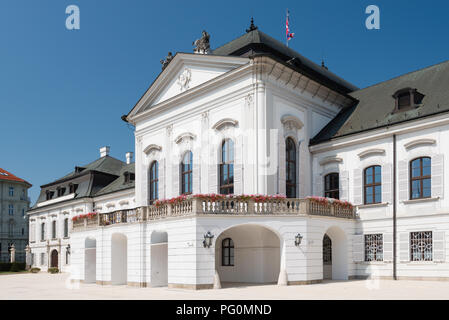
(402, 75)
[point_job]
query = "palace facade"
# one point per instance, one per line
(353, 179)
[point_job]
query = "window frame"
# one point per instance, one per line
(372, 185)
(11, 191)
(378, 254)
(422, 253)
(186, 174)
(154, 181)
(226, 164)
(66, 227)
(226, 245)
(331, 191)
(420, 178)
(53, 229)
(42, 231)
(290, 163)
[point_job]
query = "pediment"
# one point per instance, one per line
(185, 72)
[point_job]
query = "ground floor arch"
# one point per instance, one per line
(159, 259)
(335, 254)
(248, 253)
(119, 259)
(90, 260)
(54, 257)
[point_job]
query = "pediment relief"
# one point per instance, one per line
(419, 142)
(328, 160)
(371, 152)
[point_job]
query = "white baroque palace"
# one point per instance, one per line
(255, 117)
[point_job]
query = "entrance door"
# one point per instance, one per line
(327, 257)
(54, 259)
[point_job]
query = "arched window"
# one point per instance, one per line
(227, 252)
(227, 167)
(43, 231)
(290, 168)
(420, 178)
(186, 173)
(53, 229)
(154, 181)
(66, 227)
(372, 184)
(331, 186)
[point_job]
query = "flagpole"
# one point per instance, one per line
(286, 26)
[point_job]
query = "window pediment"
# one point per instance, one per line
(185, 137)
(223, 123)
(371, 152)
(290, 122)
(330, 159)
(152, 148)
(419, 142)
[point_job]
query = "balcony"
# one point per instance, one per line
(233, 206)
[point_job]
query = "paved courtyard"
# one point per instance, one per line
(57, 286)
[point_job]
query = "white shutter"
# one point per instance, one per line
(358, 186)
(388, 246)
(404, 244)
(196, 172)
(344, 185)
(213, 167)
(32, 232)
(403, 180)
(144, 184)
(387, 183)
(358, 248)
(439, 246)
(281, 173)
(161, 180)
(238, 166)
(175, 179)
(437, 175)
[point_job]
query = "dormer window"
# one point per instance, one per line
(72, 188)
(61, 191)
(129, 176)
(407, 99)
(78, 169)
(49, 194)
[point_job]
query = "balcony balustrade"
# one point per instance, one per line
(228, 206)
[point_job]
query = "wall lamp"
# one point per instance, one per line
(68, 248)
(298, 239)
(207, 242)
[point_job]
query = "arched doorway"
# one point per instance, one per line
(119, 259)
(90, 260)
(247, 254)
(335, 254)
(54, 259)
(327, 257)
(159, 259)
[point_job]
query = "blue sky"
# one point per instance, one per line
(62, 92)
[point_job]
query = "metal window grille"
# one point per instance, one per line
(374, 247)
(421, 246)
(327, 250)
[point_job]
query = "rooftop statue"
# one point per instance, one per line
(202, 45)
(166, 61)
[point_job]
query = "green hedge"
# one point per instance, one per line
(13, 267)
(53, 270)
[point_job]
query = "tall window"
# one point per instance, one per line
(290, 168)
(23, 212)
(186, 173)
(372, 184)
(11, 191)
(227, 252)
(327, 250)
(331, 186)
(43, 231)
(420, 182)
(154, 181)
(11, 209)
(374, 247)
(42, 258)
(66, 227)
(227, 167)
(421, 246)
(53, 229)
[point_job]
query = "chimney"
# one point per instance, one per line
(129, 157)
(104, 151)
